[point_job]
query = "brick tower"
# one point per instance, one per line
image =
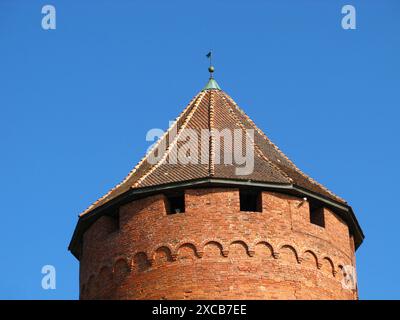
(199, 229)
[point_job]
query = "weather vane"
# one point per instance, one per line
(210, 68)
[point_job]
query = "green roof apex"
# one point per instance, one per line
(212, 85)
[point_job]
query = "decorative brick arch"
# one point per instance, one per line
(291, 250)
(311, 257)
(191, 247)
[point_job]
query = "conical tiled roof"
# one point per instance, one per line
(213, 109)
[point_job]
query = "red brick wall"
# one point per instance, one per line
(214, 251)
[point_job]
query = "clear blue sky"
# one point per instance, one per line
(76, 103)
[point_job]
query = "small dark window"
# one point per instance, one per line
(111, 222)
(250, 200)
(114, 218)
(175, 203)
(317, 214)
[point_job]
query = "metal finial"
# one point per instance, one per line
(211, 84)
(210, 68)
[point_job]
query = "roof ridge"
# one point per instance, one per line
(259, 151)
(194, 100)
(173, 143)
(280, 152)
(211, 164)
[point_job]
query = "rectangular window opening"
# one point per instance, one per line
(175, 203)
(113, 221)
(250, 200)
(317, 216)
